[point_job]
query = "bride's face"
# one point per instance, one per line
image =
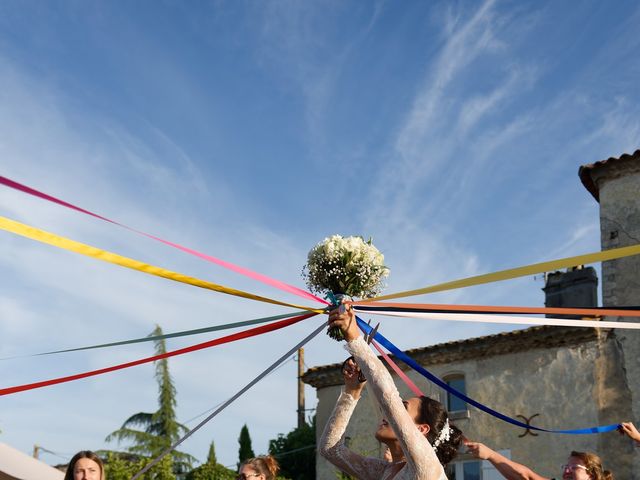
(385, 432)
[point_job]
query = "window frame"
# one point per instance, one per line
(461, 413)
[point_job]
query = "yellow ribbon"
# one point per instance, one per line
(89, 251)
(612, 254)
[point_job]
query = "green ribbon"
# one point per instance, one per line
(183, 333)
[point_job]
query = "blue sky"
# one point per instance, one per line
(450, 132)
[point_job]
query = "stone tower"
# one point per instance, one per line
(615, 184)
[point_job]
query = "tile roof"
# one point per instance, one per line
(472, 349)
(585, 171)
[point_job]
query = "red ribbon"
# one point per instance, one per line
(211, 343)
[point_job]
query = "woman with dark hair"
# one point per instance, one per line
(579, 466)
(417, 431)
(85, 465)
(259, 468)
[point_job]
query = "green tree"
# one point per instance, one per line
(296, 452)
(246, 451)
(124, 467)
(211, 470)
(152, 433)
(211, 456)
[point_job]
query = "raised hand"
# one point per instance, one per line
(478, 450)
(352, 378)
(630, 430)
(344, 318)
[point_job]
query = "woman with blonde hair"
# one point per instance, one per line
(259, 468)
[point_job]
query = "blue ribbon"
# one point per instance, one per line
(425, 373)
(330, 296)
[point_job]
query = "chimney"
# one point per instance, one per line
(577, 287)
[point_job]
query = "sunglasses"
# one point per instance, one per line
(573, 468)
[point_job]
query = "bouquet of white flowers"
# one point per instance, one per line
(345, 266)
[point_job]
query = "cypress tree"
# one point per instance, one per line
(159, 429)
(246, 451)
(211, 457)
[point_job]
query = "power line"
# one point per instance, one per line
(232, 467)
(293, 451)
(216, 406)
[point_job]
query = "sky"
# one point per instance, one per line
(451, 132)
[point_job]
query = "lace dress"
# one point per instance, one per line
(421, 460)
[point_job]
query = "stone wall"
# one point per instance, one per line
(618, 185)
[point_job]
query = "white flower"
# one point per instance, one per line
(345, 265)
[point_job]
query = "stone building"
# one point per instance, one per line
(615, 184)
(557, 377)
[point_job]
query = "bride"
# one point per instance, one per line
(417, 431)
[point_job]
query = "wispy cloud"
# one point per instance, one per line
(466, 42)
(464, 162)
(305, 46)
(474, 110)
(82, 301)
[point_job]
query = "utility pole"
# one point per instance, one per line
(301, 420)
(37, 449)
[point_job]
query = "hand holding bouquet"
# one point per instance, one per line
(340, 266)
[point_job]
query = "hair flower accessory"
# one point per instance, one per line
(444, 435)
(343, 266)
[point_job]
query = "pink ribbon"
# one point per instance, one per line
(412, 386)
(236, 268)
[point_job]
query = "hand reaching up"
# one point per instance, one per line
(352, 378)
(629, 429)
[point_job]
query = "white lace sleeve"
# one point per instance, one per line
(422, 462)
(332, 445)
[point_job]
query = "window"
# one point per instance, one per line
(455, 404)
(465, 470)
(472, 469)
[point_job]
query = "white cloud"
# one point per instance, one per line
(475, 177)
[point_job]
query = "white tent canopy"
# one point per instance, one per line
(15, 465)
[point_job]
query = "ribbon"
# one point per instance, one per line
(425, 373)
(266, 372)
(211, 343)
(105, 256)
(612, 254)
(466, 317)
(412, 386)
(448, 308)
(183, 333)
(236, 268)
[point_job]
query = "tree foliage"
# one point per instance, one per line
(296, 452)
(211, 470)
(152, 433)
(211, 456)
(119, 467)
(246, 450)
